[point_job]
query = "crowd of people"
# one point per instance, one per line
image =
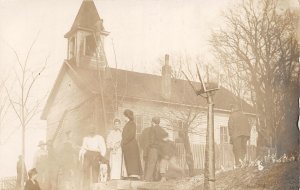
(119, 156)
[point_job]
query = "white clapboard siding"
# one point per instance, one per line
(68, 97)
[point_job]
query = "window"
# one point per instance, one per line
(90, 46)
(223, 135)
(177, 126)
(139, 123)
(72, 47)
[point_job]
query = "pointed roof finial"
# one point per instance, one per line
(87, 17)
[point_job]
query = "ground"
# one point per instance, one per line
(278, 176)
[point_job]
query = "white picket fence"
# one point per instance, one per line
(8, 183)
(223, 155)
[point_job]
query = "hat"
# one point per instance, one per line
(156, 120)
(129, 114)
(32, 172)
(41, 143)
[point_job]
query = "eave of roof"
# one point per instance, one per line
(182, 93)
(53, 91)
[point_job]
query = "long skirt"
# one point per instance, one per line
(132, 159)
(115, 162)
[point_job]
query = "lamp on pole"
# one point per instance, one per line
(208, 91)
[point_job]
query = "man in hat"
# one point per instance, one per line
(40, 163)
(93, 151)
(157, 138)
(239, 132)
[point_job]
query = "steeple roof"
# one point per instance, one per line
(87, 18)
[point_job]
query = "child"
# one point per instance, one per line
(32, 183)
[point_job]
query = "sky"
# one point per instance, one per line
(141, 32)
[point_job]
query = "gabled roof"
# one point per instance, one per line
(147, 87)
(143, 86)
(87, 18)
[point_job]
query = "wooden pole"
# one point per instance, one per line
(209, 171)
(209, 175)
(23, 156)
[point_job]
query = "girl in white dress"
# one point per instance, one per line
(114, 145)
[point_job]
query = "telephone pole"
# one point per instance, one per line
(209, 174)
(207, 91)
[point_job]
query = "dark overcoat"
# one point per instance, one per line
(238, 125)
(32, 186)
(131, 150)
(157, 136)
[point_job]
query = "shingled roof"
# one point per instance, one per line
(142, 86)
(87, 18)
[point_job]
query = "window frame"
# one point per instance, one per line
(224, 134)
(93, 54)
(139, 124)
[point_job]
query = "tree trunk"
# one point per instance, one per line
(188, 153)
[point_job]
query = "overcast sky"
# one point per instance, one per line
(142, 32)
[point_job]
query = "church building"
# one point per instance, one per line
(88, 91)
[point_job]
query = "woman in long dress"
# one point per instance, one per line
(114, 145)
(130, 148)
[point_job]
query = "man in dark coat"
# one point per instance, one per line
(144, 141)
(239, 132)
(130, 148)
(155, 149)
(19, 173)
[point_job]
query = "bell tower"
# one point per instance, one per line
(86, 38)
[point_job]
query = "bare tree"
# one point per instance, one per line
(185, 120)
(4, 107)
(20, 96)
(261, 43)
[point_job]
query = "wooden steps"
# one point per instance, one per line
(120, 185)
